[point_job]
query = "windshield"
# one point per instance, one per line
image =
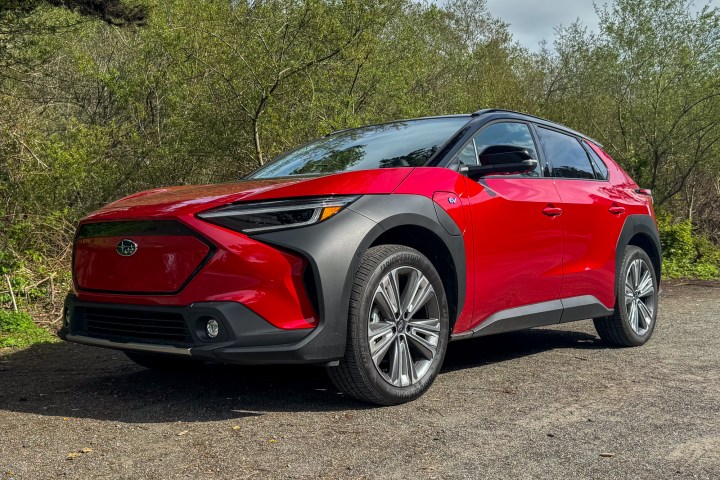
(409, 143)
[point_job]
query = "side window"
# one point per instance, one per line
(565, 155)
(601, 170)
(508, 133)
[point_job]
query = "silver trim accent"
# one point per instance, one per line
(126, 247)
(140, 347)
(537, 315)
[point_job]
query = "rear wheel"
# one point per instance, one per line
(635, 314)
(398, 328)
(167, 363)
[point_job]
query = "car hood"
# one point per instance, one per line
(188, 200)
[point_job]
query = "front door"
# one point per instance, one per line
(517, 229)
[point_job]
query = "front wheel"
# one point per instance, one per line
(398, 328)
(636, 306)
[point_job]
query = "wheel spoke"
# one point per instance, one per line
(406, 374)
(645, 315)
(636, 266)
(629, 292)
(380, 341)
(634, 316)
(412, 372)
(646, 287)
(414, 280)
(395, 362)
(383, 303)
(378, 330)
(395, 284)
(423, 294)
(389, 289)
(430, 325)
(426, 347)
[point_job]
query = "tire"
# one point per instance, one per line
(636, 306)
(165, 363)
(392, 358)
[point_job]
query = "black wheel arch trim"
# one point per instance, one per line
(634, 225)
(395, 211)
(334, 248)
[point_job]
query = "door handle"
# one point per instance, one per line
(616, 210)
(551, 211)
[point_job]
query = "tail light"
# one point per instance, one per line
(645, 191)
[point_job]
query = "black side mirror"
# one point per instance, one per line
(501, 159)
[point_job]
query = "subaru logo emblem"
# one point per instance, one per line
(126, 247)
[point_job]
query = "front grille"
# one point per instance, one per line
(137, 326)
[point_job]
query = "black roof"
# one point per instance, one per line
(488, 111)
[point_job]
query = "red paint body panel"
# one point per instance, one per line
(175, 202)
(517, 250)
(162, 264)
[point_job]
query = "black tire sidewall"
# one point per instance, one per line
(401, 257)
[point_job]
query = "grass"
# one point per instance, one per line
(17, 330)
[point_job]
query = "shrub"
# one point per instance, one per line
(17, 329)
(687, 254)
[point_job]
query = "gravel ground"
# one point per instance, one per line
(546, 403)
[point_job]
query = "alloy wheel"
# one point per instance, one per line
(640, 296)
(404, 326)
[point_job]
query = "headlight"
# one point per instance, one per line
(273, 215)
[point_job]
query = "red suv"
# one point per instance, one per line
(370, 249)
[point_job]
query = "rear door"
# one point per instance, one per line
(517, 233)
(593, 216)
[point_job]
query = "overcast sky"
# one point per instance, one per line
(532, 20)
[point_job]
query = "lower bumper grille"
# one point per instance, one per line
(138, 326)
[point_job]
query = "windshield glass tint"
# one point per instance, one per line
(401, 144)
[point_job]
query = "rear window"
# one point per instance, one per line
(601, 170)
(565, 155)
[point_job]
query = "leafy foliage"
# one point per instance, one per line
(18, 330)
(687, 254)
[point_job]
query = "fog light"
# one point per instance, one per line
(67, 317)
(212, 328)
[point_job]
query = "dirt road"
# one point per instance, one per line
(550, 403)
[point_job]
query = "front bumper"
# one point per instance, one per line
(244, 337)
